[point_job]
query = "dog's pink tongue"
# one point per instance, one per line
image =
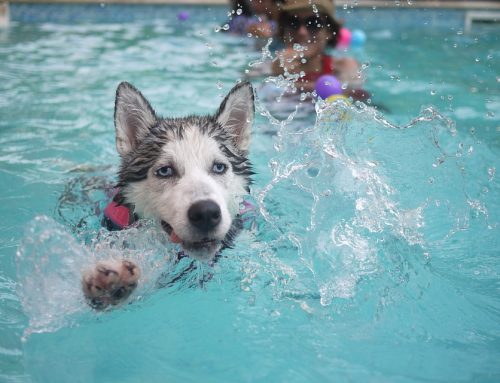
(174, 237)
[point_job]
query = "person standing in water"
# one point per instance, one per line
(307, 28)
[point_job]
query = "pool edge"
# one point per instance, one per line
(358, 4)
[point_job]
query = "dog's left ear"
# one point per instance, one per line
(236, 113)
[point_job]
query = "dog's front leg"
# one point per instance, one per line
(110, 283)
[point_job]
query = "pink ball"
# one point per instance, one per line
(328, 85)
(345, 37)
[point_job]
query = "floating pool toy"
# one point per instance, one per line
(345, 37)
(328, 85)
(182, 16)
(358, 38)
(338, 112)
(337, 97)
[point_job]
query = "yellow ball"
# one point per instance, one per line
(336, 97)
(338, 112)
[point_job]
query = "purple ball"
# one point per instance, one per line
(182, 16)
(328, 85)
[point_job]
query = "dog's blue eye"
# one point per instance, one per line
(166, 171)
(219, 168)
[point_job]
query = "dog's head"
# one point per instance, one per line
(188, 173)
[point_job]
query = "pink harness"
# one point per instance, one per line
(118, 215)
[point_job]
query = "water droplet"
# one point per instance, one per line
(431, 180)
(477, 59)
(491, 173)
(312, 172)
(433, 92)
(225, 27)
(239, 11)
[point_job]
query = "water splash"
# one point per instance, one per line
(351, 189)
(354, 200)
(50, 262)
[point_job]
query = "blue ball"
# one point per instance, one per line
(358, 38)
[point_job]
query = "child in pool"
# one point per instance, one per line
(307, 28)
(268, 12)
(258, 18)
(242, 18)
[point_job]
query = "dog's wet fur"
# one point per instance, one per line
(189, 174)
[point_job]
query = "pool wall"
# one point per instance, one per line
(366, 18)
(466, 4)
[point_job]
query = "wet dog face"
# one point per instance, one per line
(188, 173)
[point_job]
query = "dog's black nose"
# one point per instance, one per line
(204, 215)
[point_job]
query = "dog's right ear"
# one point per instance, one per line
(134, 117)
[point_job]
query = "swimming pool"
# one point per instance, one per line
(376, 255)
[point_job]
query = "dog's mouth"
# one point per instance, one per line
(204, 245)
(171, 233)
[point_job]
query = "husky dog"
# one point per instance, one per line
(189, 174)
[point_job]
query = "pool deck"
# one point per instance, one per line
(357, 4)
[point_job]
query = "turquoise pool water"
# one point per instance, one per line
(376, 256)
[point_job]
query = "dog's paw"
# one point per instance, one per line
(110, 283)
